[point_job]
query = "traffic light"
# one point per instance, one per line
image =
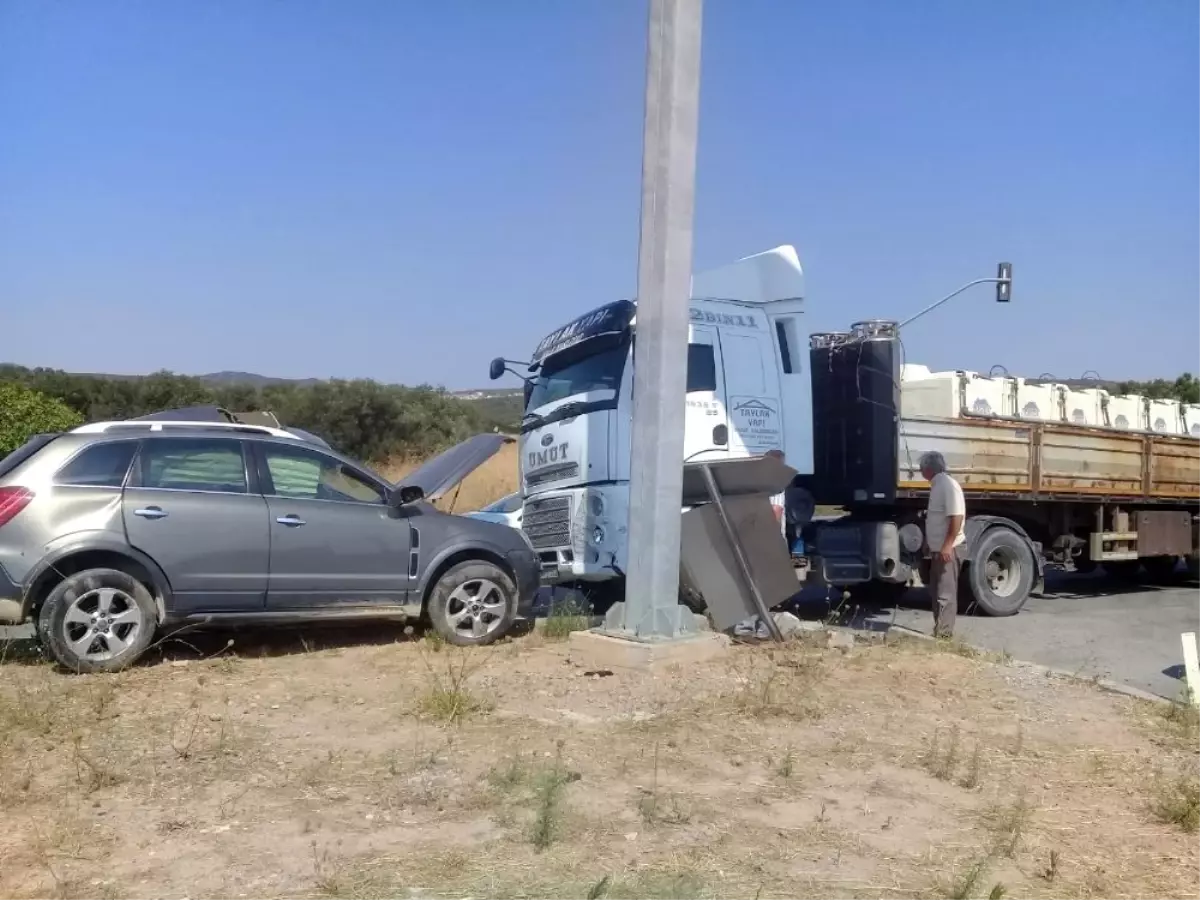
(1004, 282)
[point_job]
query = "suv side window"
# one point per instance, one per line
(302, 474)
(100, 465)
(193, 464)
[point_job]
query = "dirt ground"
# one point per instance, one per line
(371, 763)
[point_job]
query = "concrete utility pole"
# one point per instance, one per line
(651, 610)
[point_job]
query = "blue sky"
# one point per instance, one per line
(401, 190)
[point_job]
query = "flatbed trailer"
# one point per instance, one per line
(1039, 492)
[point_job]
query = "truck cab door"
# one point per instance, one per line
(706, 428)
(752, 383)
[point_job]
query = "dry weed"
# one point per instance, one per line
(548, 786)
(565, 617)
(1177, 802)
(781, 683)
(1009, 823)
(656, 807)
(449, 698)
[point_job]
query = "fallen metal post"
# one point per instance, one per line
(739, 553)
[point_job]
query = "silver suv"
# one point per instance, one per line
(116, 529)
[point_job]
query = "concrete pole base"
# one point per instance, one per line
(593, 650)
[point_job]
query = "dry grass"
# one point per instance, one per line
(1177, 802)
(564, 617)
(449, 697)
(367, 770)
(496, 478)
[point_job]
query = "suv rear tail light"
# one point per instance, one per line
(12, 501)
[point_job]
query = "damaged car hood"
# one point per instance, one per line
(445, 471)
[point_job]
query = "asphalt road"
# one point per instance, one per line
(1087, 625)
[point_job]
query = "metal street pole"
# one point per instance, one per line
(651, 608)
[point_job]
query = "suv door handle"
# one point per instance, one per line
(290, 520)
(151, 512)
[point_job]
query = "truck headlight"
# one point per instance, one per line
(596, 505)
(598, 535)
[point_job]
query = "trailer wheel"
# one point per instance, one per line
(1124, 569)
(1160, 569)
(1000, 572)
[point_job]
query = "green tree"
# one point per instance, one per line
(1185, 388)
(365, 419)
(25, 412)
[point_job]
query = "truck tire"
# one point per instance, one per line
(1160, 569)
(1124, 569)
(1193, 566)
(878, 593)
(1000, 572)
(692, 600)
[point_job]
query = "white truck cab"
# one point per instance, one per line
(748, 391)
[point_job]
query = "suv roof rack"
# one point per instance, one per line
(166, 425)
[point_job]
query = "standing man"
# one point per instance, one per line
(944, 538)
(777, 500)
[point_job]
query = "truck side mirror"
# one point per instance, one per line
(497, 368)
(1004, 282)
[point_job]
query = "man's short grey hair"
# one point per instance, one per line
(933, 462)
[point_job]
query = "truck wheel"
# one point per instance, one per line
(1001, 572)
(1124, 569)
(878, 593)
(1193, 566)
(692, 600)
(473, 603)
(98, 620)
(1160, 569)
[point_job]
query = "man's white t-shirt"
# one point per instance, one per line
(945, 500)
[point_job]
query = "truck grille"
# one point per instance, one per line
(552, 473)
(547, 522)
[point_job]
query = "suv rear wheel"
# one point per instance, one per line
(473, 603)
(98, 620)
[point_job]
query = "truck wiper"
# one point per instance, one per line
(529, 421)
(569, 410)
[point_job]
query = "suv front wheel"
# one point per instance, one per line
(98, 620)
(473, 603)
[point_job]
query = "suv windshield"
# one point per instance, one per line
(598, 372)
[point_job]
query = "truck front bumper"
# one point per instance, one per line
(579, 534)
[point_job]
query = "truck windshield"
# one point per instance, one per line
(597, 372)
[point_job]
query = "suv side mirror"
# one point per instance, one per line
(405, 495)
(497, 368)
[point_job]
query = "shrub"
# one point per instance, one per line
(364, 419)
(25, 412)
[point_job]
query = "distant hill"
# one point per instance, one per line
(253, 380)
(504, 405)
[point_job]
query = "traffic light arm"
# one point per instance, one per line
(1002, 281)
